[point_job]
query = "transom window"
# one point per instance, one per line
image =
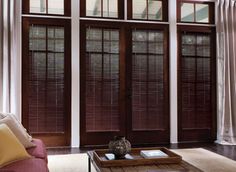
(47, 7)
(196, 12)
(102, 8)
(147, 10)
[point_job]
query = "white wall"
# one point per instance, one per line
(75, 100)
(173, 72)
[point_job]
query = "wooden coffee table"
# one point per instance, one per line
(183, 166)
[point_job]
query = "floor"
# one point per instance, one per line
(227, 151)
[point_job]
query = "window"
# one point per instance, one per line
(46, 7)
(102, 8)
(195, 11)
(148, 10)
(196, 85)
(46, 79)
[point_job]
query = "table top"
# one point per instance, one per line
(183, 166)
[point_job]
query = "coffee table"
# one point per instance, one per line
(183, 166)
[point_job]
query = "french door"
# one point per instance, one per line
(124, 83)
(46, 80)
(196, 85)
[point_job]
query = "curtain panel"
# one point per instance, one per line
(9, 56)
(226, 64)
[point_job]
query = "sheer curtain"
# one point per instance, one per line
(226, 42)
(10, 56)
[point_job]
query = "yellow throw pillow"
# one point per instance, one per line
(11, 149)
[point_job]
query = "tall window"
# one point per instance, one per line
(197, 72)
(46, 85)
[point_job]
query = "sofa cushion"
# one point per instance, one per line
(18, 130)
(29, 165)
(39, 151)
(11, 149)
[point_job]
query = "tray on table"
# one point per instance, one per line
(102, 161)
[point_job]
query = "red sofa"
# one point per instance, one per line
(38, 162)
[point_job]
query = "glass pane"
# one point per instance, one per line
(37, 6)
(37, 38)
(139, 9)
(154, 10)
(93, 8)
(110, 8)
(55, 6)
(187, 12)
(203, 46)
(202, 13)
(188, 45)
(56, 44)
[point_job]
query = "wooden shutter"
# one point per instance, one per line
(46, 80)
(196, 86)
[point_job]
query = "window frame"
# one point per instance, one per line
(211, 12)
(50, 139)
(164, 12)
(120, 10)
(67, 9)
(191, 134)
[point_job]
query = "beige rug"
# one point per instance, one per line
(207, 161)
(201, 158)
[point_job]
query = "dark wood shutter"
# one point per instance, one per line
(46, 76)
(196, 86)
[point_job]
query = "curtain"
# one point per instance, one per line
(226, 64)
(9, 56)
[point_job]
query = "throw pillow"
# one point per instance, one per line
(10, 147)
(18, 130)
(2, 115)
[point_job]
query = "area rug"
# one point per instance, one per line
(207, 161)
(203, 159)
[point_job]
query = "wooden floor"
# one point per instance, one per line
(227, 151)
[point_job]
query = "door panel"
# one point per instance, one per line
(102, 113)
(46, 80)
(196, 86)
(124, 83)
(148, 83)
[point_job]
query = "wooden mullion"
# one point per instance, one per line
(46, 77)
(102, 77)
(147, 79)
(102, 8)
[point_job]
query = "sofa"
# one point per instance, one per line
(37, 163)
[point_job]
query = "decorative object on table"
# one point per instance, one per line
(101, 160)
(153, 154)
(111, 156)
(119, 146)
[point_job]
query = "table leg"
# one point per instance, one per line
(89, 164)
